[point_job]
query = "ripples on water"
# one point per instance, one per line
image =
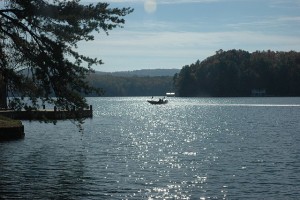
(188, 149)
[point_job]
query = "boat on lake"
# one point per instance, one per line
(158, 102)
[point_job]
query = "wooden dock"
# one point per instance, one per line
(48, 114)
(9, 131)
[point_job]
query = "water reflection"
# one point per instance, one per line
(187, 149)
(169, 152)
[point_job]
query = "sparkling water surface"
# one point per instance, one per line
(190, 148)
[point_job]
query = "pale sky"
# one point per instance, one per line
(174, 33)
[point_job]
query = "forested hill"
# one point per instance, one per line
(238, 73)
(142, 73)
(134, 83)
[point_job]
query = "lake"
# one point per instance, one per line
(190, 148)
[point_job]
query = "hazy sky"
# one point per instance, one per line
(174, 33)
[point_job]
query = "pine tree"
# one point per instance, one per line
(38, 49)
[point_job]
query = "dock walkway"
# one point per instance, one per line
(48, 114)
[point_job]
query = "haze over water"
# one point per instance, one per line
(190, 148)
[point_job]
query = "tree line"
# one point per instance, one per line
(42, 37)
(237, 73)
(131, 86)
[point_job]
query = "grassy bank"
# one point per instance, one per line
(7, 122)
(10, 129)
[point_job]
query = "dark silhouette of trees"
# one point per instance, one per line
(132, 85)
(38, 57)
(237, 72)
(185, 81)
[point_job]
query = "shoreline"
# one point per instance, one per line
(48, 114)
(11, 129)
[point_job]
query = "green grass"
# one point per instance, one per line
(7, 122)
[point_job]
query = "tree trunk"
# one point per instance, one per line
(3, 92)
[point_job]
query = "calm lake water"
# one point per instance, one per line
(190, 148)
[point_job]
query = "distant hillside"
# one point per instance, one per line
(240, 73)
(132, 86)
(142, 73)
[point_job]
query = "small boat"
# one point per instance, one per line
(160, 101)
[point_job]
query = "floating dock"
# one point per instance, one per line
(170, 94)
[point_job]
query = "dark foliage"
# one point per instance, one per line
(131, 86)
(39, 37)
(237, 72)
